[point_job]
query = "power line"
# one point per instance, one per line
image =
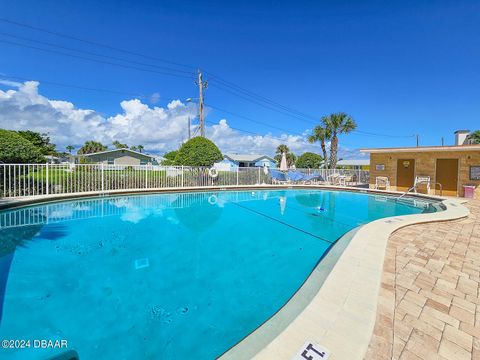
(264, 105)
(223, 84)
(260, 97)
(75, 86)
(196, 130)
(92, 53)
(252, 120)
(17, 23)
(94, 60)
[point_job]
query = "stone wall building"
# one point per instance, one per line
(449, 168)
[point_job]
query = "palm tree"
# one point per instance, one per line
(118, 145)
(474, 137)
(291, 158)
(321, 134)
(91, 147)
(337, 123)
(70, 148)
(140, 148)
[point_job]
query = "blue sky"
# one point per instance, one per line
(399, 68)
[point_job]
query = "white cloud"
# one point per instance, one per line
(155, 98)
(158, 129)
(10, 83)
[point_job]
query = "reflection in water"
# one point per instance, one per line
(194, 219)
(9, 240)
(283, 204)
(130, 208)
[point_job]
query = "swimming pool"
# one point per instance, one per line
(167, 276)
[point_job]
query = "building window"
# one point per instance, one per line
(143, 162)
(474, 172)
(110, 161)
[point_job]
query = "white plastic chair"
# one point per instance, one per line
(382, 182)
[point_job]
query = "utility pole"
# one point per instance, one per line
(201, 85)
(418, 140)
(443, 143)
(189, 126)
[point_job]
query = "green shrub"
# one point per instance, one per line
(308, 160)
(41, 141)
(170, 158)
(16, 149)
(198, 151)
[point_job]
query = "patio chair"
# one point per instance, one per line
(315, 178)
(278, 177)
(422, 180)
(351, 179)
(298, 177)
(336, 179)
(382, 182)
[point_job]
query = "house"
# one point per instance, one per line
(449, 168)
(361, 164)
(231, 162)
(118, 157)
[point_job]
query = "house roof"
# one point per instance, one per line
(247, 157)
(353, 162)
(423, 149)
(115, 150)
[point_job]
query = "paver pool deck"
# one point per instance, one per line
(429, 301)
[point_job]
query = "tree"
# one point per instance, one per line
(474, 137)
(308, 160)
(337, 123)
(291, 158)
(171, 155)
(170, 158)
(118, 145)
(140, 148)
(70, 148)
(198, 151)
(322, 135)
(14, 148)
(91, 147)
(134, 148)
(41, 141)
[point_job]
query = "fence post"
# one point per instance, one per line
(182, 177)
(258, 176)
(47, 181)
(103, 179)
(238, 170)
(146, 176)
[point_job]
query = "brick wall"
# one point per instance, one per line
(425, 164)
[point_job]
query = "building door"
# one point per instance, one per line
(405, 174)
(447, 175)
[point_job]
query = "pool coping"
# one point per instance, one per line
(341, 316)
(14, 202)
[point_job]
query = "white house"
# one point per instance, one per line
(353, 163)
(231, 162)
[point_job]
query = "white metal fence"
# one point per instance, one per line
(18, 180)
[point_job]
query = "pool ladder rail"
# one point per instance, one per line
(414, 188)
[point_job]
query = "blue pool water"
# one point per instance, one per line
(169, 276)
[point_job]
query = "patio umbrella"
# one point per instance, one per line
(283, 163)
